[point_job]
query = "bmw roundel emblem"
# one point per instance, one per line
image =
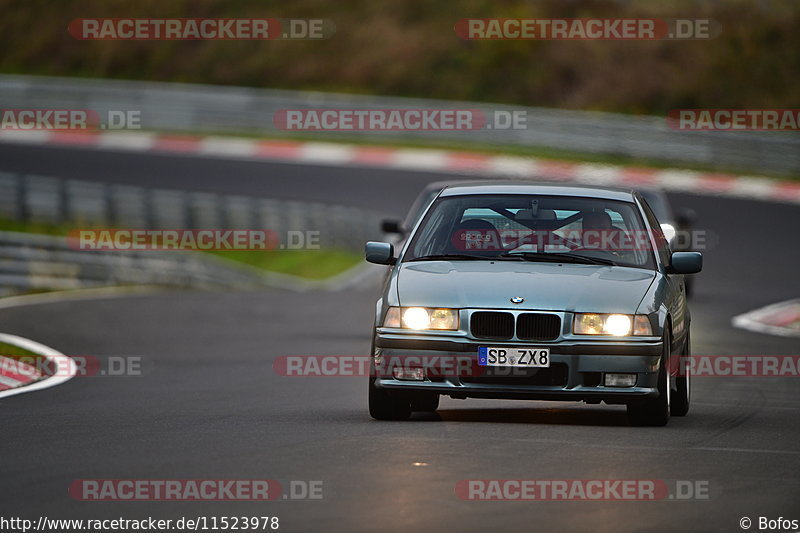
(517, 299)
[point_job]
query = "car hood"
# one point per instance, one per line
(544, 286)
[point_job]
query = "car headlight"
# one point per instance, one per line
(611, 324)
(420, 318)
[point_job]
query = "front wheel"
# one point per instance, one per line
(683, 385)
(655, 411)
(383, 406)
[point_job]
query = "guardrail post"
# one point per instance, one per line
(63, 202)
(22, 198)
(188, 210)
(222, 209)
(149, 214)
(112, 219)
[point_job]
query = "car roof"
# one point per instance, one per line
(549, 189)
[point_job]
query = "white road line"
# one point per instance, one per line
(71, 295)
(65, 366)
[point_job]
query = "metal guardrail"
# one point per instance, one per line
(31, 261)
(218, 109)
(46, 199)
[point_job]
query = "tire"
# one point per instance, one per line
(682, 396)
(382, 406)
(654, 411)
(426, 402)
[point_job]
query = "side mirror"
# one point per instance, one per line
(390, 225)
(685, 217)
(686, 263)
(380, 253)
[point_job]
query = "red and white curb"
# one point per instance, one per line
(14, 373)
(17, 377)
(452, 162)
(777, 319)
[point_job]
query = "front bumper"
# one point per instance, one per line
(576, 370)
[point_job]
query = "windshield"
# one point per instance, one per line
(533, 228)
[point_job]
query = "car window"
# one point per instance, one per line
(416, 210)
(432, 236)
(662, 245)
(498, 225)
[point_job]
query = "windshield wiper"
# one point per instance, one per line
(445, 257)
(559, 258)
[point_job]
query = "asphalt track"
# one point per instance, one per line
(209, 404)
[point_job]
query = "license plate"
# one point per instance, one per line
(509, 356)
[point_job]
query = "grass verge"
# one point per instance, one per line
(308, 264)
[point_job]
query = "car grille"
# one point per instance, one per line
(529, 327)
(538, 327)
(492, 325)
